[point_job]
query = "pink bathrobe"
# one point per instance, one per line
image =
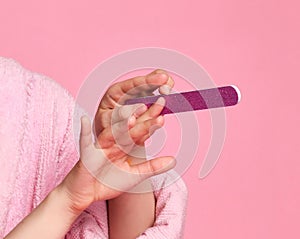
(38, 148)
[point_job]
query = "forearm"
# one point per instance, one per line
(51, 219)
(131, 214)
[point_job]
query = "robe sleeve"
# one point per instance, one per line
(171, 198)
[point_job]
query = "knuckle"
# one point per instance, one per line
(146, 126)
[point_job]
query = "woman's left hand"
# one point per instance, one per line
(105, 172)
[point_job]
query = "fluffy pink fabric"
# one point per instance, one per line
(38, 148)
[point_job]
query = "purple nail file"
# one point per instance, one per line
(193, 100)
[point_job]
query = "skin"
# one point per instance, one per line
(129, 214)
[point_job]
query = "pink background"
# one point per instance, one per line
(254, 190)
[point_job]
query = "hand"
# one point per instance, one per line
(131, 88)
(116, 94)
(83, 188)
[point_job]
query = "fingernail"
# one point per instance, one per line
(165, 89)
(161, 101)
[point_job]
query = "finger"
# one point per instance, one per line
(102, 120)
(124, 112)
(167, 87)
(116, 130)
(137, 86)
(136, 135)
(154, 166)
(105, 139)
(120, 131)
(145, 84)
(152, 130)
(86, 138)
(153, 111)
(143, 130)
(125, 137)
(105, 118)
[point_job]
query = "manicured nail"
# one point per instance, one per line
(165, 89)
(161, 101)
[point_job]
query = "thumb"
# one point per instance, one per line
(86, 138)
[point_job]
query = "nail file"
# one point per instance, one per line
(193, 100)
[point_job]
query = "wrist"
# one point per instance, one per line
(61, 193)
(78, 188)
